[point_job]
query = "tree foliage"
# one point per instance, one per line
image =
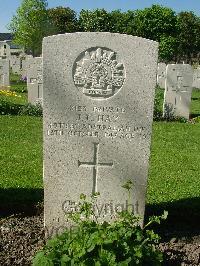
(188, 39)
(30, 25)
(97, 20)
(155, 22)
(167, 49)
(177, 34)
(63, 19)
(122, 22)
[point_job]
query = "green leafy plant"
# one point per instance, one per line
(12, 104)
(30, 109)
(171, 117)
(19, 89)
(195, 120)
(89, 242)
(9, 104)
(9, 108)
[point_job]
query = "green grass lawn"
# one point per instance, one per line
(175, 162)
(21, 152)
(20, 159)
(17, 84)
(15, 78)
(195, 103)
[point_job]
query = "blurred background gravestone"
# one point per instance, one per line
(178, 90)
(34, 80)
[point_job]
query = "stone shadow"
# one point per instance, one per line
(183, 217)
(194, 115)
(20, 201)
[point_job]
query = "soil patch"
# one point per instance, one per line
(22, 236)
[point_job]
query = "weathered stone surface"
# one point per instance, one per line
(25, 65)
(4, 73)
(98, 110)
(196, 78)
(178, 90)
(161, 75)
(15, 64)
(34, 80)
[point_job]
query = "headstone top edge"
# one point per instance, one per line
(170, 66)
(179, 65)
(48, 38)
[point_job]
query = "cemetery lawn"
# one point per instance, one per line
(15, 78)
(195, 103)
(174, 172)
(20, 160)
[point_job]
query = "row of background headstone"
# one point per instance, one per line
(18, 65)
(4, 73)
(178, 80)
(34, 80)
(161, 76)
(30, 69)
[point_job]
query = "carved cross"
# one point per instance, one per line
(95, 165)
(178, 89)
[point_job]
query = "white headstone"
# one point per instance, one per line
(196, 78)
(98, 112)
(25, 65)
(178, 90)
(161, 75)
(34, 80)
(15, 64)
(4, 73)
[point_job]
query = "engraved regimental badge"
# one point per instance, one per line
(98, 73)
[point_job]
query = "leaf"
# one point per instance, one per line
(128, 185)
(83, 196)
(122, 242)
(165, 215)
(91, 247)
(41, 259)
(125, 262)
(64, 259)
